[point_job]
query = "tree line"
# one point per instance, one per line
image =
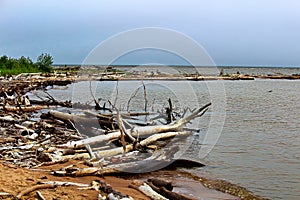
(25, 64)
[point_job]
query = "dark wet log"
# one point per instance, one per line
(168, 194)
(161, 183)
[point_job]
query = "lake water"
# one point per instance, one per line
(258, 147)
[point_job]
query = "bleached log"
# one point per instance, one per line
(66, 117)
(7, 119)
(5, 194)
(136, 132)
(90, 171)
(147, 190)
(24, 108)
(62, 183)
(139, 131)
(145, 142)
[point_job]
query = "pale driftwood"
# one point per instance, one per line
(7, 119)
(40, 196)
(147, 190)
(66, 117)
(62, 183)
(5, 194)
(98, 171)
(24, 108)
(122, 127)
(161, 159)
(77, 156)
(129, 147)
(33, 188)
(145, 142)
(138, 131)
(24, 128)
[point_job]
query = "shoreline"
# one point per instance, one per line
(17, 179)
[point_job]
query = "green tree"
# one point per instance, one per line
(44, 62)
(3, 59)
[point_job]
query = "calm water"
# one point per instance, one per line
(259, 145)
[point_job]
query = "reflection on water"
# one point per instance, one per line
(259, 144)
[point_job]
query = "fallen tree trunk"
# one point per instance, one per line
(87, 121)
(144, 143)
(24, 108)
(136, 131)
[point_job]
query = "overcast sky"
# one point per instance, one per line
(233, 32)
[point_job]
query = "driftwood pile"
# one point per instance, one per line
(118, 141)
(104, 140)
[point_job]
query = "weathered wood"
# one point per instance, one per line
(161, 183)
(63, 183)
(40, 196)
(87, 121)
(147, 190)
(167, 193)
(137, 131)
(33, 188)
(145, 142)
(24, 108)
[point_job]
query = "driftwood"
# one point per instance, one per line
(39, 196)
(62, 183)
(147, 190)
(161, 183)
(145, 142)
(33, 188)
(87, 121)
(159, 160)
(136, 131)
(167, 193)
(24, 108)
(101, 186)
(52, 140)
(5, 195)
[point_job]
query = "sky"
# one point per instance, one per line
(233, 32)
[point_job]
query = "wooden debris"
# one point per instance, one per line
(137, 131)
(33, 188)
(62, 183)
(147, 190)
(30, 139)
(40, 196)
(167, 193)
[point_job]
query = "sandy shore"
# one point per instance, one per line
(15, 180)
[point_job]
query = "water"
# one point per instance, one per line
(259, 145)
(215, 70)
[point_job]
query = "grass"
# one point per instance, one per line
(14, 71)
